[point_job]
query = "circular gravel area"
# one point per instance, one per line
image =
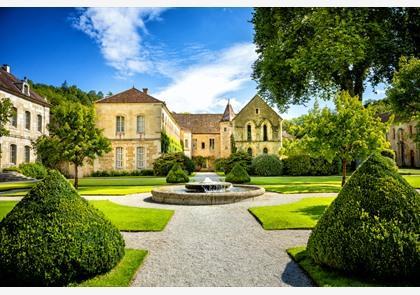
(217, 246)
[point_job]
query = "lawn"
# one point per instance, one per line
(122, 274)
(321, 276)
(303, 214)
(407, 171)
(125, 218)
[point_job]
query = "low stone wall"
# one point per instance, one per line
(168, 195)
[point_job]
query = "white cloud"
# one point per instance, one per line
(200, 87)
(117, 32)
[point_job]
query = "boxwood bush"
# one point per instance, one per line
(242, 158)
(163, 164)
(267, 165)
(112, 173)
(304, 165)
(177, 175)
(53, 237)
(372, 228)
(219, 164)
(34, 170)
(238, 174)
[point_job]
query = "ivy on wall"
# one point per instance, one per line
(169, 144)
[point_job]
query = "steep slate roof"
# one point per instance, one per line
(228, 114)
(199, 123)
(132, 95)
(9, 83)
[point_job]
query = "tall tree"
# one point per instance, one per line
(317, 51)
(75, 136)
(349, 132)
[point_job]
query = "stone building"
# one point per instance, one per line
(401, 135)
(30, 119)
(134, 121)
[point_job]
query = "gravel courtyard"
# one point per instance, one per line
(219, 245)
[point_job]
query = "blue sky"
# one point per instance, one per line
(192, 58)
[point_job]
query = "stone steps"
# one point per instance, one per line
(9, 176)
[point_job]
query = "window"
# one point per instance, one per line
(140, 157)
(248, 132)
(13, 119)
(26, 89)
(118, 157)
(140, 124)
(211, 143)
(39, 123)
(27, 154)
(194, 143)
(265, 134)
(225, 129)
(186, 143)
(203, 145)
(249, 151)
(28, 120)
(265, 150)
(120, 124)
(13, 154)
(411, 130)
(393, 133)
(257, 111)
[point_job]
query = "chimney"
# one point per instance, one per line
(145, 90)
(6, 68)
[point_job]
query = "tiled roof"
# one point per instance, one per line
(132, 95)
(199, 123)
(9, 83)
(228, 114)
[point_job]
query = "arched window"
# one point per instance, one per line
(120, 124)
(265, 150)
(248, 132)
(119, 158)
(265, 133)
(249, 151)
(140, 157)
(39, 123)
(28, 120)
(140, 124)
(13, 154)
(27, 154)
(13, 118)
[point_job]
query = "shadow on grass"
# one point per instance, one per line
(295, 189)
(313, 212)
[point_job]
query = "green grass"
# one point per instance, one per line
(322, 276)
(303, 214)
(413, 180)
(113, 190)
(122, 274)
(6, 186)
(122, 181)
(407, 171)
(127, 218)
(299, 184)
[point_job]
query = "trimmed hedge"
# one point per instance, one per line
(243, 158)
(267, 165)
(112, 173)
(165, 162)
(54, 237)
(304, 165)
(238, 174)
(219, 164)
(34, 170)
(177, 175)
(372, 228)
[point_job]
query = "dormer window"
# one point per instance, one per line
(25, 88)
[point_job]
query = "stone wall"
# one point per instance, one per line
(401, 138)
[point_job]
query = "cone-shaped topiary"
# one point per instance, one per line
(53, 237)
(177, 175)
(373, 226)
(238, 174)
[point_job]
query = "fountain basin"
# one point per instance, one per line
(180, 195)
(208, 186)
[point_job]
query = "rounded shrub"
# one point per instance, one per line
(372, 228)
(267, 165)
(53, 237)
(238, 174)
(177, 175)
(242, 158)
(163, 164)
(34, 170)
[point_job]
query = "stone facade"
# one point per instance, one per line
(32, 114)
(407, 152)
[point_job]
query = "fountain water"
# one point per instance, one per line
(208, 186)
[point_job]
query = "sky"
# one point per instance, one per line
(194, 59)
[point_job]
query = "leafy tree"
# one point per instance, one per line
(350, 132)
(381, 106)
(404, 94)
(6, 112)
(74, 136)
(310, 51)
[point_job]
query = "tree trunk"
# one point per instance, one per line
(76, 176)
(343, 172)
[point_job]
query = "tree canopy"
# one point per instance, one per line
(349, 132)
(318, 51)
